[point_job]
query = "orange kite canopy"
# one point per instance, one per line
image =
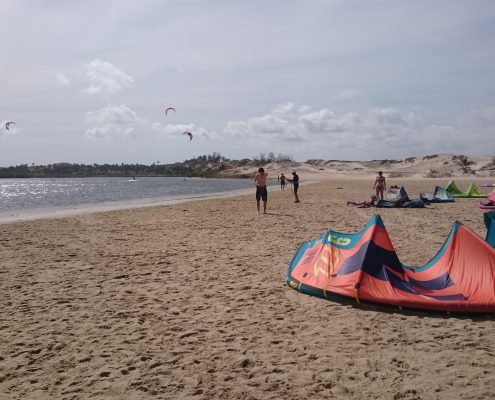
(364, 267)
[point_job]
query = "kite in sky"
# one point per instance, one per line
(168, 109)
(189, 134)
(7, 125)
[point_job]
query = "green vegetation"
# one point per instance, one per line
(464, 163)
(202, 166)
(206, 166)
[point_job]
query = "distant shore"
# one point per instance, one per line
(217, 166)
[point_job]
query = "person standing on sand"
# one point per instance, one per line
(261, 192)
(295, 183)
(282, 182)
(380, 185)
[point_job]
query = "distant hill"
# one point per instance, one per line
(432, 166)
(215, 165)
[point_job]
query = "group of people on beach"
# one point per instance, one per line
(399, 199)
(262, 192)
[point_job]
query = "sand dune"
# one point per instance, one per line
(440, 166)
(190, 301)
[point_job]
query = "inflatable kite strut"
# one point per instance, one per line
(364, 267)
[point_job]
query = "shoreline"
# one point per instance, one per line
(67, 211)
(81, 209)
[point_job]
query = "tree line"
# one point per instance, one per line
(207, 166)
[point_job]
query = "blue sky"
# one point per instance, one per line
(88, 81)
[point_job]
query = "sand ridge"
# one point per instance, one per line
(190, 301)
(438, 166)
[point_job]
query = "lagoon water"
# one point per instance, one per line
(28, 198)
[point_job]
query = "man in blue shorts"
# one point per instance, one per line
(261, 192)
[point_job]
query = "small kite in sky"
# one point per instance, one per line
(189, 134)
(168, 109)
(7, 125)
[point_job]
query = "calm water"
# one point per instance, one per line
(25, 197)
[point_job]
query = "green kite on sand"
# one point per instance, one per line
(472, 191)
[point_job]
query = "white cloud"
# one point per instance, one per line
(304, 109)
(176, 130)
(377, 133)
(390, 117)
(112, 121)
(62, 80)
(105, 78)
(286, 122)
(120, 121)
(280, 124)
(171, 129)
(322, 121)
(283, 110)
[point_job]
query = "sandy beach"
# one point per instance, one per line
(190, 301)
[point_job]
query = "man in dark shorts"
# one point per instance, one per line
(282, 181)
(295, 183)
(261, 192)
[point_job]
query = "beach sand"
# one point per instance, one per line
(190, 301)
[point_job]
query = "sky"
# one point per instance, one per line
(89, 81)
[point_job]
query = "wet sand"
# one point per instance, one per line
(190, 301)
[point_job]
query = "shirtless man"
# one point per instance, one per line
(282, 182)
(261, 192)
(380, 185)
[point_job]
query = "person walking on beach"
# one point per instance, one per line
(282, 182)
(295, 183)
(261, 192)
(380, 185)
